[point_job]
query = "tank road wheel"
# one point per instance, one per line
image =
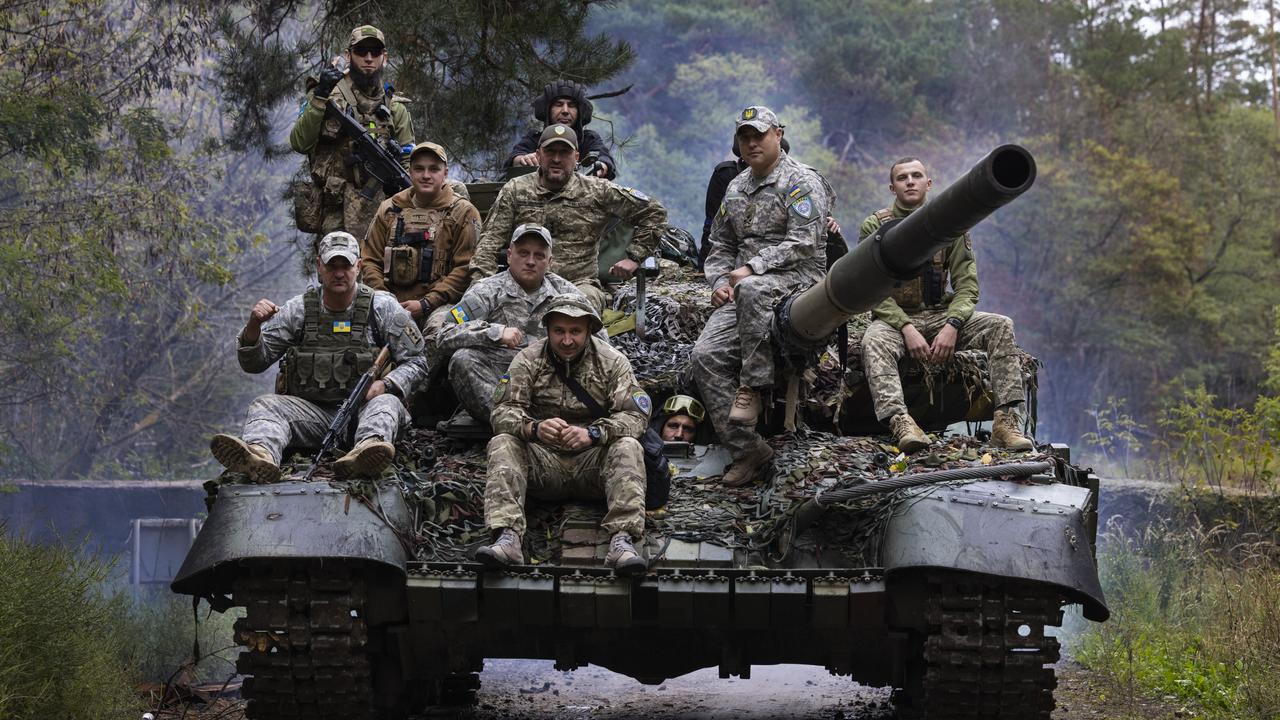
(305, 635)
(985, 653)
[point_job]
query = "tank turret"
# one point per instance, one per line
(899, 249)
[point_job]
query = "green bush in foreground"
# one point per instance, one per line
(62, 642)
(1195, 616)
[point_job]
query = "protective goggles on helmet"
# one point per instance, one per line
(684, 405)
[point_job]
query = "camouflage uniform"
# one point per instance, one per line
(577, 216)
(776, 226)
(278, 421)
(317, 137)
(472, 342)
(613, 469)
(923, 303)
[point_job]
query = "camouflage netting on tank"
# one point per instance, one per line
(677, 305)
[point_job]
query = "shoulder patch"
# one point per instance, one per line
(500, 390)
(803, 209)
(637, 194)
(642, 401)
(797, 192)
(459, 314)
(415, 336)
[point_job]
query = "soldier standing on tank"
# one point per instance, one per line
(421, 240)
(923, 320)
(375, 105)
(497, 318)
(328, 339)
(564, 102)
(551, 444)
(768, 239)
(576, 209)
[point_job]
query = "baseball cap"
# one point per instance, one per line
(532, 229)
(366, 32)
(572, 305)
(430, 147)
(337, 244)
(758, 117)
(558, 133)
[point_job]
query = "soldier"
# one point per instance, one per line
(681, 415)
(576, 209)
(564, 102)
(922, 320)
(376, 106)
(568, 417)
(421, 240)
(498, 317)
(768, 239)
(328, 339)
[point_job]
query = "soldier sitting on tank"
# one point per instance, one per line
(568, 416)
(421, 240)
(564, 102)
(576, 209)
(328, 339)
(768, 240)
(681, 415)
(924, 321)
(498, 317)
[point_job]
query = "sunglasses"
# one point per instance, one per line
(370, 51)
(684, 405)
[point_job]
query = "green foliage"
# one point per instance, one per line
(1203, 442)
(63, 649)
(1116, 435)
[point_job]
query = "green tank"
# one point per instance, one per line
(940, 575)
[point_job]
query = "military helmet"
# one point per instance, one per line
(572, 305)
(563, 89)
(684, 405)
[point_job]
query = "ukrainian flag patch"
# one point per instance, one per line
(342, 326)
(459, 315)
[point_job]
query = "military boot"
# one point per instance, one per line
(907, 435)
(746, 406)
(239, 456)
(750, 467)
(1004, 431)
(623, 557)
(506, 550)
(368, 458)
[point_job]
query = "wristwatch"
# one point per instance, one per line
(594, 433)
(533, 430)
(956, 323)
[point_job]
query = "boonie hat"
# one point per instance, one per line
(758, 117)
(433, 148)
(339, 243)
(558, 133)
(572, 305)
(366, 32)
(531, 229)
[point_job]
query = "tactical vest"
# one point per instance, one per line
(329, 158)
(332, 353)
(926, 289)
(409, 256)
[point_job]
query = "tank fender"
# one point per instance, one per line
(1006, 529)
(292, 520)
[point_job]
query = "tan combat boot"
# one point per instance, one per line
(1004, 431)
(746, 406)
(238, 456)
(623, 557)
(506, 550)
(750, 467)
(907, 435)
(368, 458)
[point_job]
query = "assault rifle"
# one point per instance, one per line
(347, 411)
(378, 161)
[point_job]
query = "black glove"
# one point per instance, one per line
(328, 78)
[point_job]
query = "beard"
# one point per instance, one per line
(364, 80)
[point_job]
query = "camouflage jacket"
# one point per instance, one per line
(775, 224)
(316, 136)
(454, 225)
(532, 390)
(957, 262)
(391, 325)
(495, 303)
(576, 215)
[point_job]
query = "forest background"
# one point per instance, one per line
(142, 171)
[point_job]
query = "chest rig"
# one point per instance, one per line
(333, 352)
(410, 253)
(332, 154)
(925, 290)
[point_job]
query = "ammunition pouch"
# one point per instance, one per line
(308, 203)
(409, 261)
(328, 361)
(334, 191)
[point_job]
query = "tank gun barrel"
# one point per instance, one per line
(899, 250)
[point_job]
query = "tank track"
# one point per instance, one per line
(306, 639)
(986, 654)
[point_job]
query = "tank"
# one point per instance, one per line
(940, 575)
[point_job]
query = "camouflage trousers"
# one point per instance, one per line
(614, 472)
(353, 214)
(279, 421)
(883, 347)
(474, 373)
(598, 297)
(431, 323)
(735, 349)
